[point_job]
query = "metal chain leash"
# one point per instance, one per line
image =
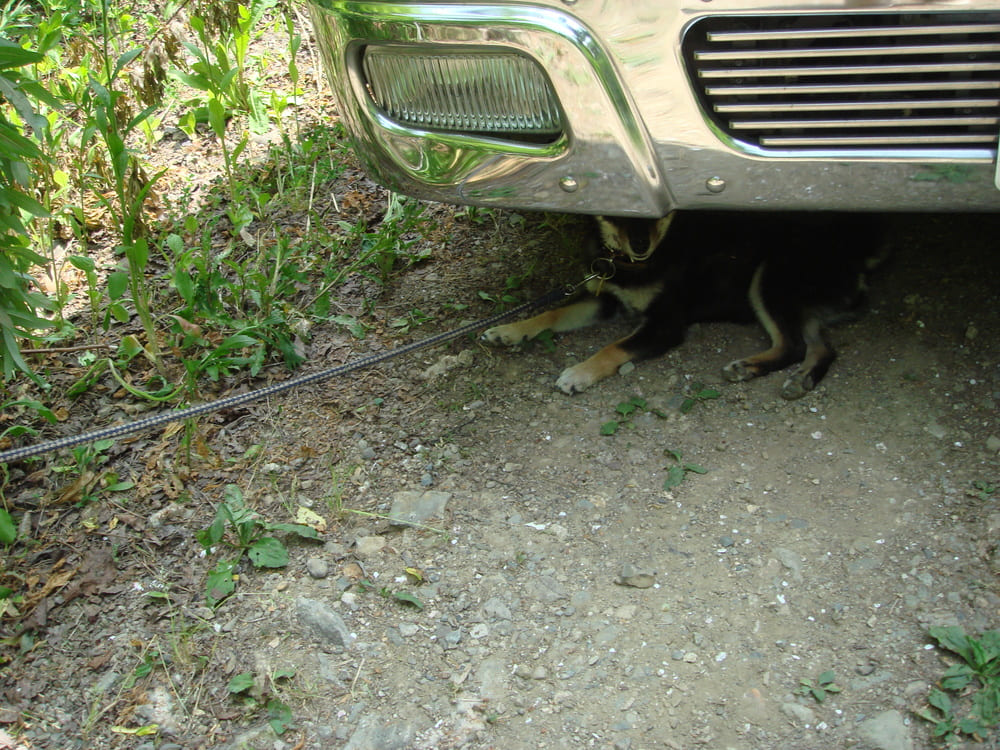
(116, 431)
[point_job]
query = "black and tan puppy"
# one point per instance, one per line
(794, 273)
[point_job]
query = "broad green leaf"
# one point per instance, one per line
(14, 55)
(83, 263)
(279, 716)
(302, 530)
(8, 529)
(407, 598)
(212, 534)
(940, 700)
(217, 117)
(268, 552)
(953, 638)
(138, 256)
(241, 682)
(220, 583)
(117, 284)
(675, 475)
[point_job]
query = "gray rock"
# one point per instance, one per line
(635, 577)
(371, 736)
(791, 561)
(496, 608)
(412, 507)
(798, 713)
(317, 567)
(546, 589)
(936, 429)
(365, 546)
(324, 623)
(887, 731)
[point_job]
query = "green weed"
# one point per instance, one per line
(695, 394)
(510, 295)
(983, 490)
(248, 534)
(678, 469)
(625, 411)
(967, 701)
(256, 694)
(823, 686)
(20, 300)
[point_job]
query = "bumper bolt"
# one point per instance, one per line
(715, 184)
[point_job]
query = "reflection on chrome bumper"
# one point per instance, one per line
(637, 139)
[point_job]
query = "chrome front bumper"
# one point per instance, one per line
(637, 140)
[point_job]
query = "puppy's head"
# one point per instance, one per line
(634, 238)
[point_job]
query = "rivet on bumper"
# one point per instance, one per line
(715, 184)
(569, 184)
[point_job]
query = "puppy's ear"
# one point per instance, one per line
(611, 234)
(659, 229)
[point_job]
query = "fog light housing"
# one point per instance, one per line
(484, 91)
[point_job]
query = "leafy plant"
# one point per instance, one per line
(253, 694)
(403, 597)
(976, 678)
(250, 535)
(679, 469)
(625, 411)
(821, 688)
(20, 301)
(89, 478)
(509, 296)
(982, 489)
(697, 393)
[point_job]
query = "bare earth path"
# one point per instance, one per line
(496, 573)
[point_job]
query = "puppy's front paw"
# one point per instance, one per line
(575, 379)
(508, 335)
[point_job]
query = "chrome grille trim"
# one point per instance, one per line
(832, 52)
(874, 82)
(819, 33)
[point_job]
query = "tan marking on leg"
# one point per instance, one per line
(757, 303)
(568, 318)
(800, 382)
(603, 364)
(762, 362)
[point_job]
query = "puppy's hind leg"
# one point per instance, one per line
(786, 343)
(819, 357)
(567, 318)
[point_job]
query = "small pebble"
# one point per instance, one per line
(317, 567)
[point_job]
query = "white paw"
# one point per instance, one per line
(575, 379)
(508, 335)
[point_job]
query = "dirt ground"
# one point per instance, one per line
(495, 572)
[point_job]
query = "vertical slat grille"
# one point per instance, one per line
(867, 81)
